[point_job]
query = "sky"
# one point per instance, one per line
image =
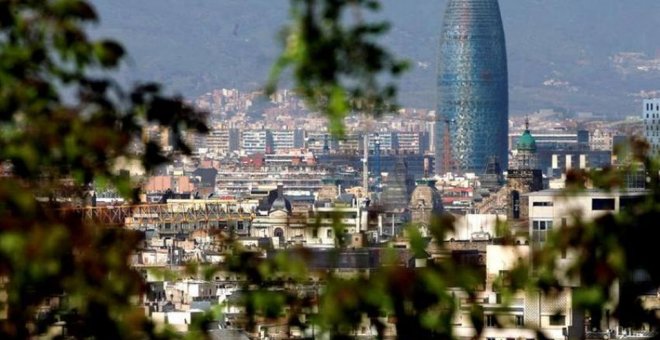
(194, 46)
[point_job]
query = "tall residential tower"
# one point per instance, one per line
(652, 124)
(473, 96)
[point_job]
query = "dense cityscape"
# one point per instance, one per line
(269, 182)
(270, 178)
(270, 173)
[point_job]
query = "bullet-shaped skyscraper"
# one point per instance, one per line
(473, 96)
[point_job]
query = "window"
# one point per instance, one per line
(515, 204)
(541, 224)
(520, 320)
(505, 276)
(542, 204)
(329, 233)
(540, 229)
(557, 320)
(602, 204)
(491, 321)
(630, 201)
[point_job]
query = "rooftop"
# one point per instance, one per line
(589, 192)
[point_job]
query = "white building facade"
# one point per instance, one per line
(256, 141)
(552, 209)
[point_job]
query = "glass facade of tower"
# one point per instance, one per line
(473, 97)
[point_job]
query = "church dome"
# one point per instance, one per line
(280, 203)
(526, 142)
(426, 196)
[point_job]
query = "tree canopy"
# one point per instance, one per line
(65, 124)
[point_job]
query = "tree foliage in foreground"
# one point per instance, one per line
(615, 254)
(337, 64)
(615, 260)
(65, 124)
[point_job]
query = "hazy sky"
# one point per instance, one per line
(196, 45)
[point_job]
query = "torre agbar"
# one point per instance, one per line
(473, 97)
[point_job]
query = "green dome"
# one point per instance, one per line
(526, 142)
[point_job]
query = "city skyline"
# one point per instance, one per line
(304, 211)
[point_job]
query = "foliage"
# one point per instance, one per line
(419, 302)
(612, 264)
(65, 124)
(336, 63)
(614, 255)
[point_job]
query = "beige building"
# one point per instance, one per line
(551, 209)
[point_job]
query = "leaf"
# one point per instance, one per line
(76, 9)
(108, 53)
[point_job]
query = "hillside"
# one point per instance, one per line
(572, 46)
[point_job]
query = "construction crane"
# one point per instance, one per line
(447, 155)
(377, 170)
(447, 159)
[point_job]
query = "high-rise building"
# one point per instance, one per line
(652, 123)
(287, 139)
(413, 142)
(316, 140)
(387, 141)
(473, 97)
(256, 141)
(221, 141)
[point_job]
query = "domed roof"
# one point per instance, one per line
(280, 202)
(426, 196)
(526, 142)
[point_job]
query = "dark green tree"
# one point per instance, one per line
(65, 124)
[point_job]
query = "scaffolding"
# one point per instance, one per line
(163, 215)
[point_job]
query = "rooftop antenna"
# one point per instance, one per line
(365, 166)
(526, 123)
(366, 128)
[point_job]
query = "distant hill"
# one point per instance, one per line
(562, 53)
